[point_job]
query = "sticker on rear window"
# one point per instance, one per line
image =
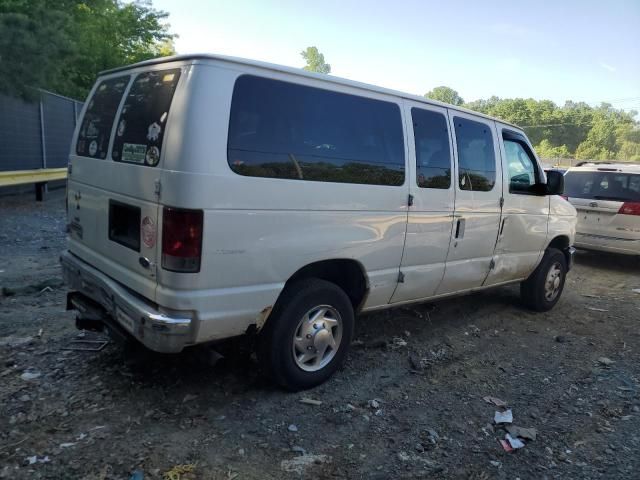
(153, 132)
(153, 156)
(134, 152)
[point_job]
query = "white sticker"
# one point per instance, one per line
(153, 156)
(133, 152)
(93, 148)
(121, 127)
(154, 132)
(148, 232)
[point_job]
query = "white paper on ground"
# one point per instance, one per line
(503, 417)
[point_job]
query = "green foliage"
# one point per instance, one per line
(62, 45)
(315, 61)
(33, 39)
(573, 130)
(446, 95)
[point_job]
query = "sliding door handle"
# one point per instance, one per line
(460, 228)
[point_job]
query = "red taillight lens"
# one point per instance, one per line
(630, 208)
(181, 239)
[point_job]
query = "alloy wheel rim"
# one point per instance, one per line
(317, 338)
(553, 282)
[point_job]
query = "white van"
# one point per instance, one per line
(607, 197)
(211, 197)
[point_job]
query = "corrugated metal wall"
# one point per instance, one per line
(23, 143)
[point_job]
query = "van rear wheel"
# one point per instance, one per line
(542, 290)
(307, 336)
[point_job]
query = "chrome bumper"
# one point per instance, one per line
(159, 330)
(571, 255)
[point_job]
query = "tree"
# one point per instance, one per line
(61, 45)
(34, 39)
(575, 129)
(315, 61)
(446, 95)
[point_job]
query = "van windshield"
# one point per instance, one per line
(141, 126)
(613, 186)
(95, 130)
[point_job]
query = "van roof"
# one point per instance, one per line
(301, 73)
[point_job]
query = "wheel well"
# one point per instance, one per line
(347, 274)
(561, 243)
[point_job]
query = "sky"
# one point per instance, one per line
(581, 50)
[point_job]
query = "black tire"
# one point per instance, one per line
(534, 290)
(276, 342)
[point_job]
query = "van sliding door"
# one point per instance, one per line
(430, 217)
(478, 209)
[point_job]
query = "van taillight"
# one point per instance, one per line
(181, 239)
(630, 208)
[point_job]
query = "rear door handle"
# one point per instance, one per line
(460, 228)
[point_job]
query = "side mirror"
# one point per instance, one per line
(555, 183)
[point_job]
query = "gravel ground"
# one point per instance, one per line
(408, 404)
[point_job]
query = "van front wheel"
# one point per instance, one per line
(308, 334)
(542, 290)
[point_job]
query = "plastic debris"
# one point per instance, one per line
(605, 361)
(514, 442)
(30, 374)
(310, 401)
(292, 428)
(594, 309)
(36, 459)
(503, 417)
(86, 345)
(67, 444)
(526, 433)
(506, 446)
(375, 403)
(188, 397)
(496, 401)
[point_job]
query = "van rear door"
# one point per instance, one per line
(114, 174)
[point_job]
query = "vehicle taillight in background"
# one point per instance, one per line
(630, 208)
(181, 239)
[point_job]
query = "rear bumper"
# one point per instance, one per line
(158, 329)
(607, 244)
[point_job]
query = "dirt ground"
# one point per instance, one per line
(408, 404)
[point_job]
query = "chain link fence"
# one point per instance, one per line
(36, 134)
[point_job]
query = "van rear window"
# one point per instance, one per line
(285, 130)
(612, 186)
(95, 130)
(142, 123)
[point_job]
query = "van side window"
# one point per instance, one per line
(284, 130)
(433, 155)
(95, 130)
(476, 157)
(522, 169)
(143, 120)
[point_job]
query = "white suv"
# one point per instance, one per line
(607, 197)
(211, 197)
